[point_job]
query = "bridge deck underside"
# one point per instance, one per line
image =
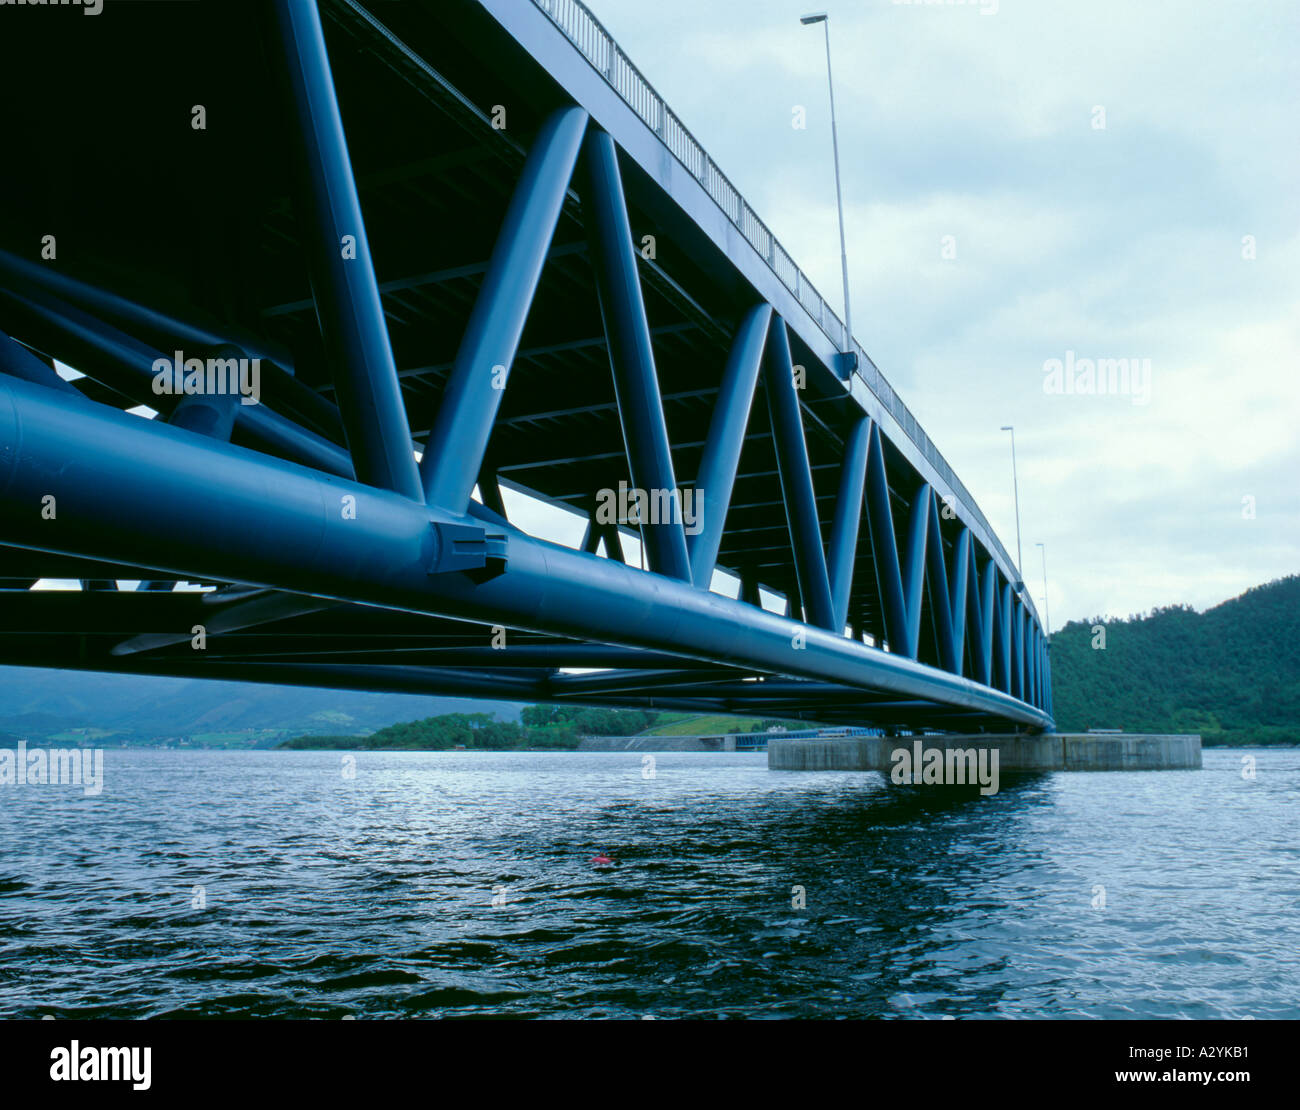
(205, 226)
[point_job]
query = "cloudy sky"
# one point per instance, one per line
(1127, 240)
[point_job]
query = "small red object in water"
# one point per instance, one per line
(601, 860)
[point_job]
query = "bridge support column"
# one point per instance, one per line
(959, 587)
(463, 425)
(1002, 636)
(941, 596)
(721, 459)
(598, 531)
(848, 517)
(1018, 676)
(901, 573)
(1036, 661)
(884, 546)
(1028, 680)
(796, 479)
(918, 531)
(348, 305)
(1047, 675)
(981, 601)
(631, 356)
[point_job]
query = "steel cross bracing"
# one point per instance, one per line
(497, 324)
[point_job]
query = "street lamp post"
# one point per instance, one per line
(1047, 609)
(1015, 482)
(824, 19)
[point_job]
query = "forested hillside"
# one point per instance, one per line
(1231, 673)
(543, 727)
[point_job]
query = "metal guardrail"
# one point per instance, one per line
(585, 31)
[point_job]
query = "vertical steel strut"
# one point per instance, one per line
(631, 356)
(463, 425)
(721, 459)
(348, 306)
(796, 479)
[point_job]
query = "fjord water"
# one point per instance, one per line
(461, 883)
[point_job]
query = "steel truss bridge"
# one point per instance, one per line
(179, 186)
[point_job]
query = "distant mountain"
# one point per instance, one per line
(1231, 673)
(38, 704)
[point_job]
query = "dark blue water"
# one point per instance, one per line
(325, 896)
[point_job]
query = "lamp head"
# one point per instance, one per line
(815, 17)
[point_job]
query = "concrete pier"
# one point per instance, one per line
(1016, 753)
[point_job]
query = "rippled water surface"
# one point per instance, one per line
(461, 883)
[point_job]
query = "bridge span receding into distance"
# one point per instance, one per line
(414, 234)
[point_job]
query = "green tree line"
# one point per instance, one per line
(542, 726)
(1231, 673)
(559, 727)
